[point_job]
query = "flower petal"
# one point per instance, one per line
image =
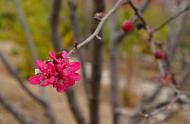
(40, 65)
(59, 68)
(51, 67)
(69, 82)
(34, 79)
(53, 56)
(74, 66)
(64, 54)
(51, 80)
(74, 76)
(65, 85)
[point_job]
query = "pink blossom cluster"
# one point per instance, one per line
(58, 72)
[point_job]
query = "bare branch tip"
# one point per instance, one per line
(99, 16)
(187, 8)
(98, 37)
(76, 45)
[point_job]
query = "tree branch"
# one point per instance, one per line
(99, 27)
(76, 32)
(39, 100)
(17, 113)
(120, 35)
(184, 76)
(70, 93)
(170, 19)
(15, 74)
(26, 29)
(116, 39)
(75, 108)
(163, 65)
(47, 107)
(54, 22)
(96, 53)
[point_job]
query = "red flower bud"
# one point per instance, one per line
(127, 26)
(138, 1)
(160, 54)
(177, 2)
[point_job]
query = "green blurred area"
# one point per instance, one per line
(37, 13)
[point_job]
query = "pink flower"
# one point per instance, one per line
(58, 72)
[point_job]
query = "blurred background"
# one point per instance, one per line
(119, 73)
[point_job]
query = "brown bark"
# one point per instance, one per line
(54, 24)
(76, 34)
(97, 53)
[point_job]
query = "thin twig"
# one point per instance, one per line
(137, 13)
(151, 33)
(76, 35)
(163, 69)
(15, 74)
(99, 27)
(70, 93)
(15, 111)
(165, 107)
(42, 101)
(170, 19)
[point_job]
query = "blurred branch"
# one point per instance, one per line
(26, 29)
(179, 99)
(54, 22)
(74, 20)
(151, 33)
(27, 33)
(184, 76)
(176, 36)
(116, 39)
(99, 27)
(161, 107)
(97, 53)
(163, 65)
(76, 32)
(170, 19)
(119, 35)
(137, 13)
(159, 88)
(16, 112)
(74, 106)
(15, 74)
(114, 77)
(39, 100)
(136, 117)
(47, 107)
(114, 68)
(70, 93)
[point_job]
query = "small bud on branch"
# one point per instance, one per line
(127, 26)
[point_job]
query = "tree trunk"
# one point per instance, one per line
(97, 53)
